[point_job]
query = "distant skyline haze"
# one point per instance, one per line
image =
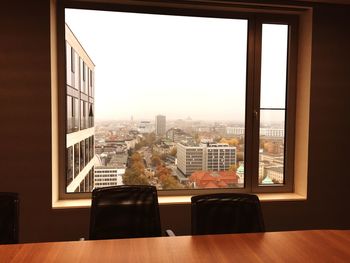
(175, 66)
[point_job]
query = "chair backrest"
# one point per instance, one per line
(226, 213)
(9, 212)
(124, 212)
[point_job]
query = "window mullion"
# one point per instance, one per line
(256, 105)
(250, 130)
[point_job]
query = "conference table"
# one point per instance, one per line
(289, 246)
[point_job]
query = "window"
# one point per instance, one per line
(72, 60)
(211, 107)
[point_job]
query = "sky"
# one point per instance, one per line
(171, 65)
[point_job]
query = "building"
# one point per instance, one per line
(205, 157)
(177, 135)
(271, 166)
(108, 176)
(272, 132)
(219, 156)
(210, 179)
(160, 125)
(237, 131)
(145, 127)
(275, 173)
(80, 116)
(189, 158)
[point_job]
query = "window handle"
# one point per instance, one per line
(255, 114)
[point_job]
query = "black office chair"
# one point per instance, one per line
(226, 213)
(9, 212)
(124, 212)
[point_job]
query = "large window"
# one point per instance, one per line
(189, 103)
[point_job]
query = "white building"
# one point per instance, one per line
(272, 132)
(108, 176)
(275, 173)
(235, 130)
(205, 157)
(145, 127)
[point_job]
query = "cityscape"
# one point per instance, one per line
(203, 149)
(181, 154)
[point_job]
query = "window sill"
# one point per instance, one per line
(178, 200)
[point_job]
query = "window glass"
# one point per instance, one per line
(87, 150)
(274, 65)
(82, 155)
(81, 80)
(182, 93)
(69, 165)
(72, 60)
(75, 119)
(70, 119)
(271, 155)
(76, 160)
(68, 70)
(272, 104)
(171, 97)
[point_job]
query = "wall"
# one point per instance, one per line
(25, 156)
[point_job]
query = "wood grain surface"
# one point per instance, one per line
(291, 246)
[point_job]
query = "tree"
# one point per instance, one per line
(167, 181)
(173, 151)
(162, 170)
(136, 157)
(156, 161)
(136, 173)
(232, 168)
(163, 156)
(240, 157)
(196, 137)
(134, 177)
(231, 142)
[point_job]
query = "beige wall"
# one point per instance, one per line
(25, 131)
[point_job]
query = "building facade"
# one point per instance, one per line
(205, 157)
(108, 176)
(80, 130)
(145, 127)
(160, 125)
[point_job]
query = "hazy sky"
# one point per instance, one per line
(171, 65)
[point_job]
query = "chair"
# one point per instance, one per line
(124, 212)
(226, 213)
(9, 212)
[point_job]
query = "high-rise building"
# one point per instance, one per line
(160, 125)
(80, 129)
(205, 157)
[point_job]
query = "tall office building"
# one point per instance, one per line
(160, 125)
(80, 129)
(205, 157)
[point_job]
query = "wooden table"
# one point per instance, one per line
(293, 246)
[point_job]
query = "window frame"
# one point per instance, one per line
(290, 103)
(255, 16)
